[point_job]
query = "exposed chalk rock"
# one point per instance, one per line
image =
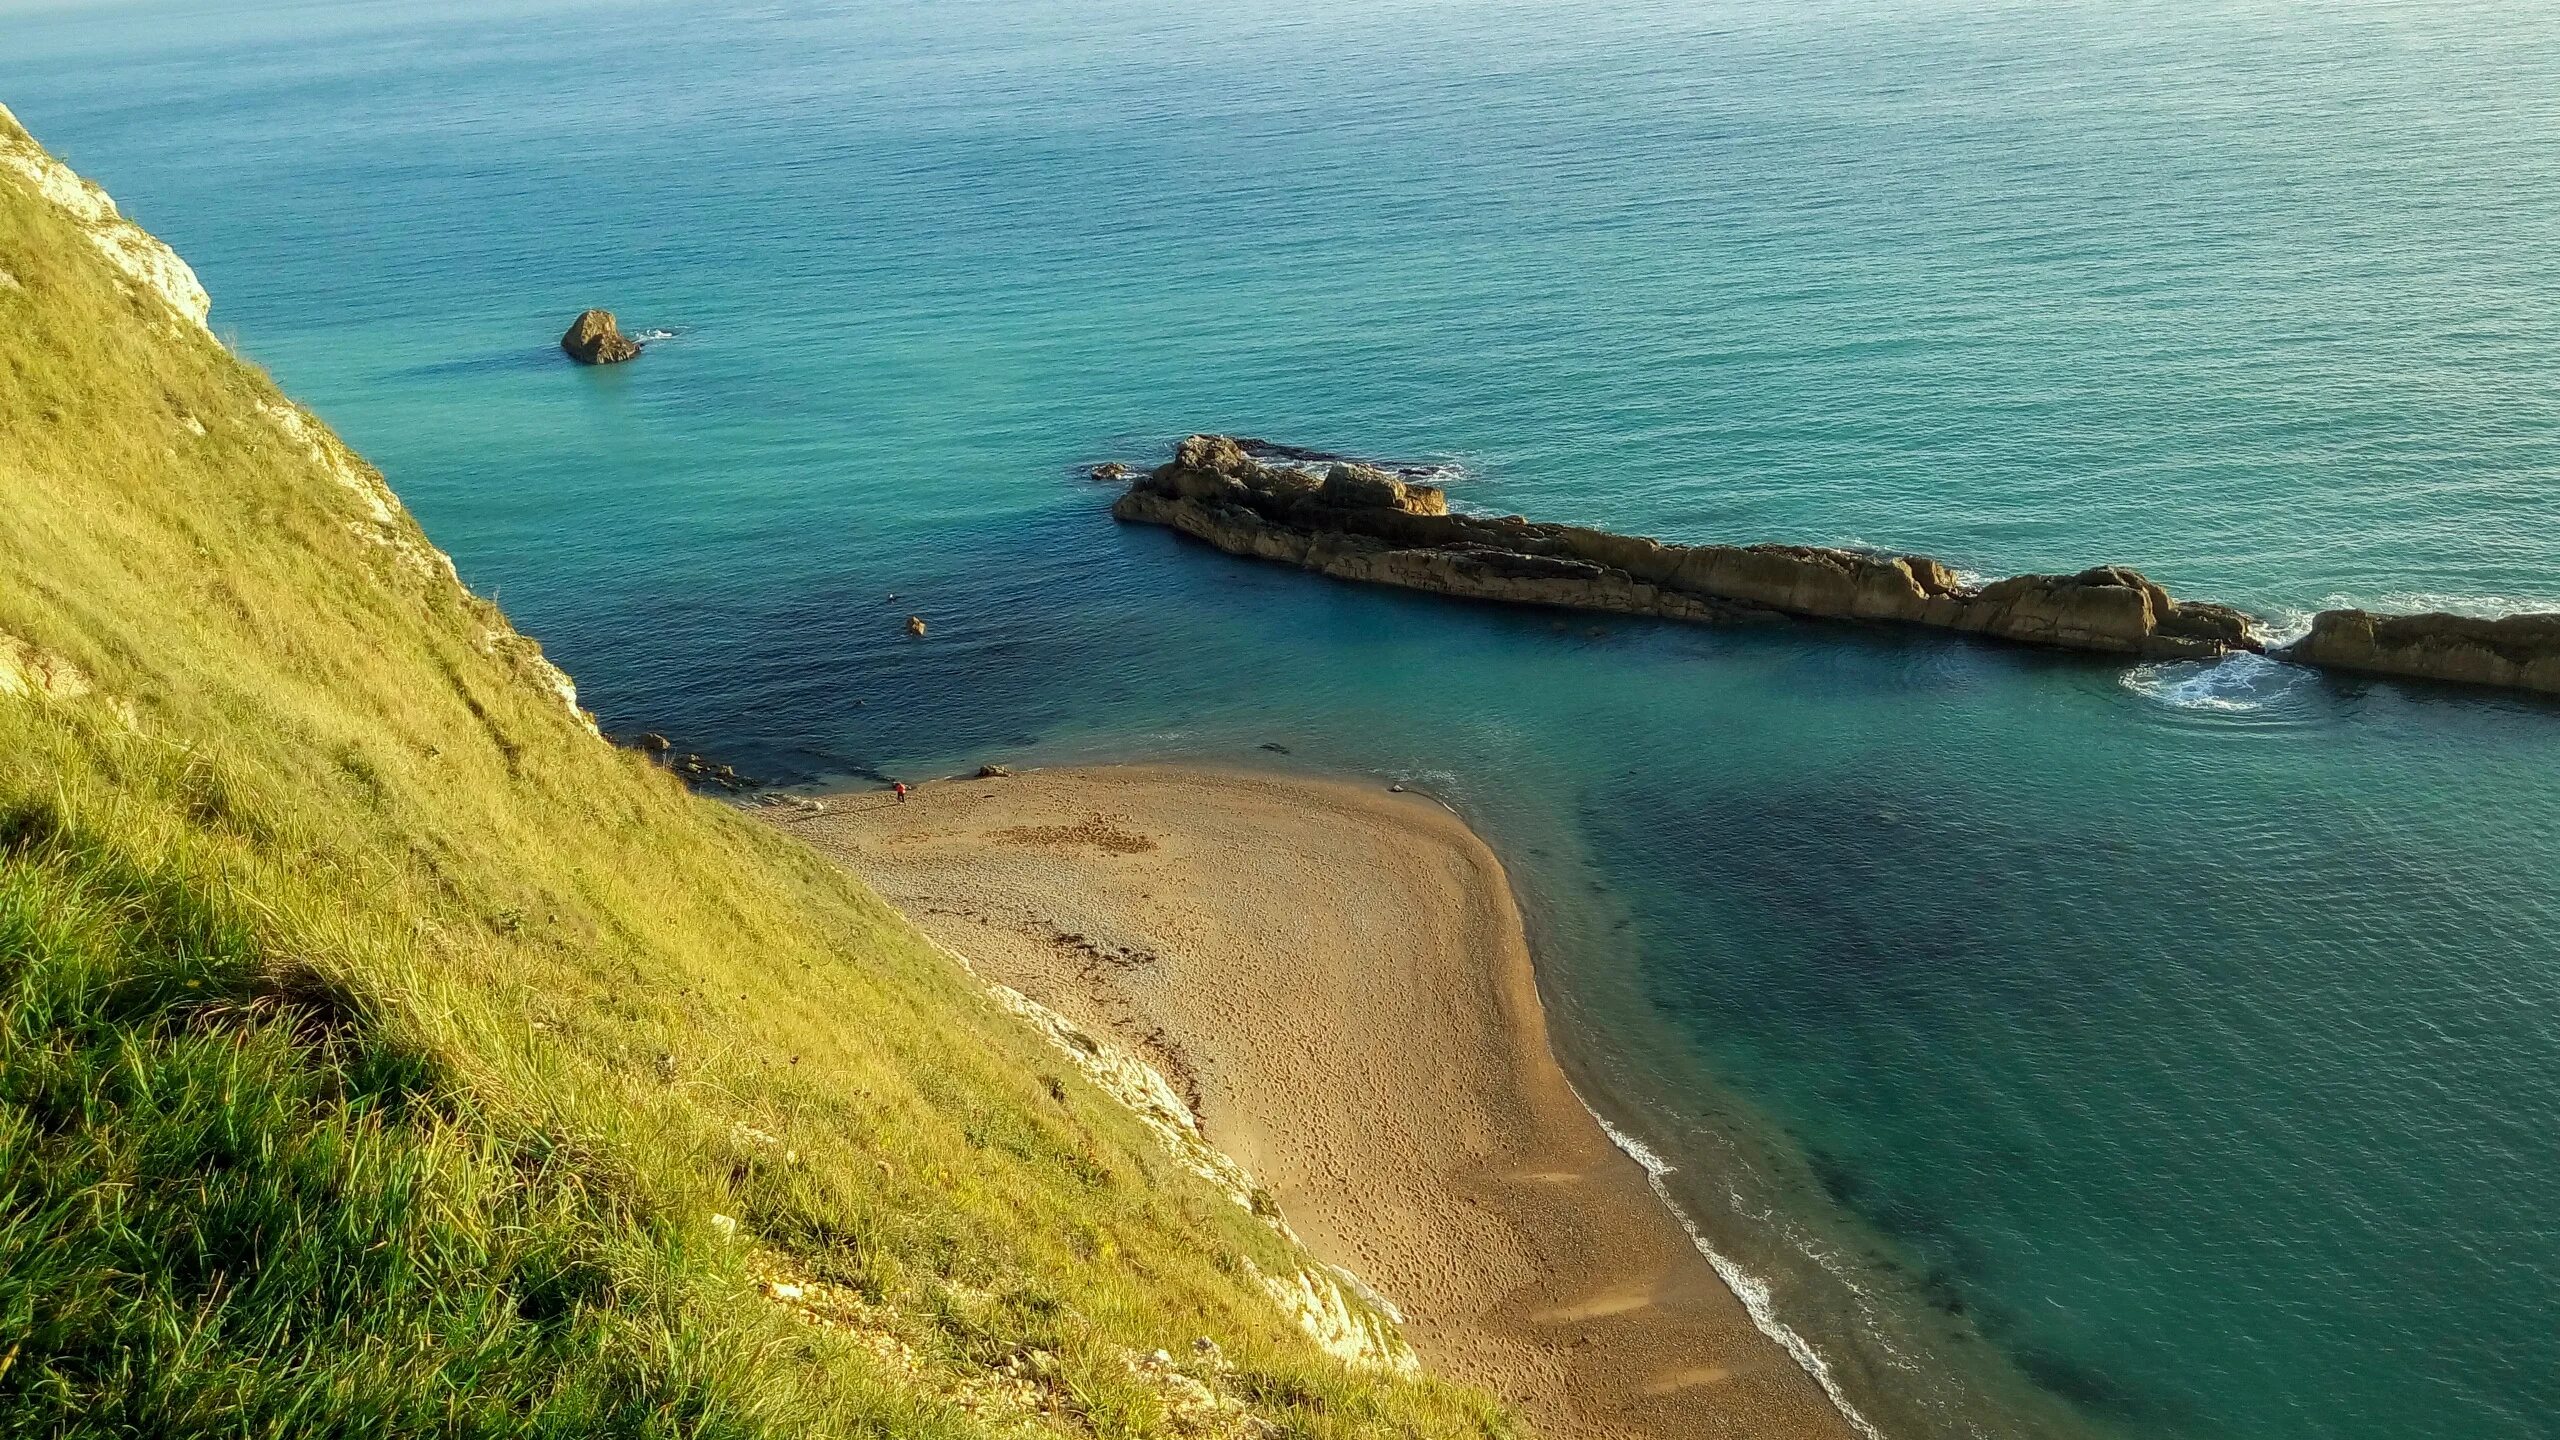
(149, 264)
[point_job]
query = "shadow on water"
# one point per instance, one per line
(528, 360)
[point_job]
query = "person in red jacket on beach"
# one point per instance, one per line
(901, 788)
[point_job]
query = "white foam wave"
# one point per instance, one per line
(2283, 627)
(2483, 607)
(646, 337)
(1748, 1288)
(2237, 684)
(1442, 471)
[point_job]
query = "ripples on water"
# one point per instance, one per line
(2235, 688)
(2159, 1051)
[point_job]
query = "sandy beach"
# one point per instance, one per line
(1337, 977)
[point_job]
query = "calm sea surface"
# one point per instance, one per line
(2066, 1049)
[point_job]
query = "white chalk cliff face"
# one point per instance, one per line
(135, 251)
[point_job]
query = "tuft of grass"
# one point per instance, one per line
(385, 1054)
(228, 1205)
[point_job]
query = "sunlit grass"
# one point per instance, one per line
(381, 1045)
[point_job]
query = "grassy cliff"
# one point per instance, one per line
(385, 1053)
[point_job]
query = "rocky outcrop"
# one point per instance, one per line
(2519, 652)
(26, 670)
(1357, 522)
(148, 264)
(594, 339)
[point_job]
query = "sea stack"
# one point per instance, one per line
(593, 339)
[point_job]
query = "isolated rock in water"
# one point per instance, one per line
(1112, 470)
(655, 743)
(2520, 652)
(915, 624)
(594, 339)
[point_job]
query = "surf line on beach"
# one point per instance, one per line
(1754, 1293)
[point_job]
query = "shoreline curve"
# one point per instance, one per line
(1338, 979)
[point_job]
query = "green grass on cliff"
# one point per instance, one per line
(384, 1054)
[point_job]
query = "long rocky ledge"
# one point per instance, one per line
(1360, 522)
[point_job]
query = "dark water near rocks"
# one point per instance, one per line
(2165, 1053)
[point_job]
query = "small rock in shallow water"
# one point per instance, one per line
(594, 339)
(1275, 747)
(1111, 470)
(915, 624)
(994, 772)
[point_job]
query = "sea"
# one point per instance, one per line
(2047, 1046)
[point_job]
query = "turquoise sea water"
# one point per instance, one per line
(2067, 1049)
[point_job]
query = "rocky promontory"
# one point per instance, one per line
(1362, 522)
(1358, 522)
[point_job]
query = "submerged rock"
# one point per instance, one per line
(1112, 470)
(594, 339)
(2519, 652)
(701, 771)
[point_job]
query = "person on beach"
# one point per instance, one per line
(901, 788)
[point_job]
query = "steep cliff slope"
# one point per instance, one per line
(384, 1053)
